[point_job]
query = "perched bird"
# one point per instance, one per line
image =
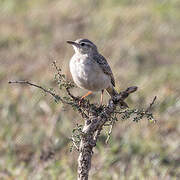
(90, 70)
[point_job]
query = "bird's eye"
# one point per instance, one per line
(82, 44)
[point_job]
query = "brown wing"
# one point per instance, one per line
(105, 66)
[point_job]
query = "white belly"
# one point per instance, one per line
(88, 75)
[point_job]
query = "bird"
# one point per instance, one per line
(90, 70)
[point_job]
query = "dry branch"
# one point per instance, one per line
(95, 118)
(92, 130)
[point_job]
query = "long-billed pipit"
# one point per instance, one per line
(90, 70)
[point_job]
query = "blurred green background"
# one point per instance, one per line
(140, 39)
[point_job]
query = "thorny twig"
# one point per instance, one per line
(151, 104)
(74, 143)
(97, 134)
(57, 97)
(110, 132)
(95, 118)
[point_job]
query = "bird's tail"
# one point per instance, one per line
(111, 91)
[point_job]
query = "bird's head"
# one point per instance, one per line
(83, 46)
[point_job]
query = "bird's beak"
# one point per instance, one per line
(72, 43)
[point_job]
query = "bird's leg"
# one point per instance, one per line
(101, 97)
(89, 92)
